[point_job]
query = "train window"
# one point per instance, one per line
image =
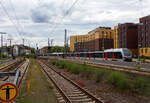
(118, 55)
(127, 52)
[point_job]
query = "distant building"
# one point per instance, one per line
(144, 36)
(128, 37)
(19, 50)
(116, 37)
(43, 50)
(6, 51)
(96, 40)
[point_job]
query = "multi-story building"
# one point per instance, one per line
(116, 37)
(96, 40)
(78, 39)
(144, 36)
(128, 37)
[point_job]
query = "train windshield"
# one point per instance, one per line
(127, 52)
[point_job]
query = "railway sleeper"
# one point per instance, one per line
(82, 100)
(78, 97)
(73, 95)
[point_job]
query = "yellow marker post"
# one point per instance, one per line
(8, 92)
(28, 86)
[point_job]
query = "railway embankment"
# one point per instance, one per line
(111, 85)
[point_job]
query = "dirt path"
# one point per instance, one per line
(35, 88)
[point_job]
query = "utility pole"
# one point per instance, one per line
(2, 41)
(2, 38)
(23, 41)
(10, 41)
(48, 43)
(65, 40)
(36, 51)
(52, 42)
(11, 49)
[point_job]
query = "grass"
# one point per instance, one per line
(99, 75)
(39, 91)
(119, 80)
(139, 85)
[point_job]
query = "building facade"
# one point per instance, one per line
(96, 40)
(116, 37)
(144, 36)
(128, 37)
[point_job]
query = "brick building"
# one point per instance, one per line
(128, 37)
(96, 40)
(144, 36)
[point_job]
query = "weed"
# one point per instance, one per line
(88, 71)
(62, 64)
(118, 80)
(139, 85)
(99, 74)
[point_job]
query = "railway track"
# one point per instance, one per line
(69, 90)
(22, 66)
(10, 66)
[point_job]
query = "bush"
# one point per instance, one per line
(99, 74)
(62, 65)
(88, 71)
(54, 61)
(139, 85)
(74, 69)
(118, 80)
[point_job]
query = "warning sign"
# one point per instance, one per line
(8, 92)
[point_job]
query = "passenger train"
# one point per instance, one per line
(114, 54)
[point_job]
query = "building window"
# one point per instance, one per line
(106, 35)
(146, 51)
(141, 36)
(102, 34)
(146, 21)
(146, 44)
(142, 45)
(142, 51)
(146, 36)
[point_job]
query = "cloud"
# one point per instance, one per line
(40, 20)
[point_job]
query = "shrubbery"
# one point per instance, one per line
(139, 85)
(119, 80)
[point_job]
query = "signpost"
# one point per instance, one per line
(8, 92)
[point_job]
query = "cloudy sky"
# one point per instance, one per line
(36, 20)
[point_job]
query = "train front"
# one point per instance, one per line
(127, 54)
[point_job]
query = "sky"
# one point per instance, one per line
(37, 20)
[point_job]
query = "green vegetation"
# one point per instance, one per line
(119, 80)
(99, 75)
(139, 85)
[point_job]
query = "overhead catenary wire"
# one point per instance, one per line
(67, 12)
(11, 20)
(16, 17)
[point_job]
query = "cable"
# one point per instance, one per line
(67, 12)
(16, 17)
(10, 18)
